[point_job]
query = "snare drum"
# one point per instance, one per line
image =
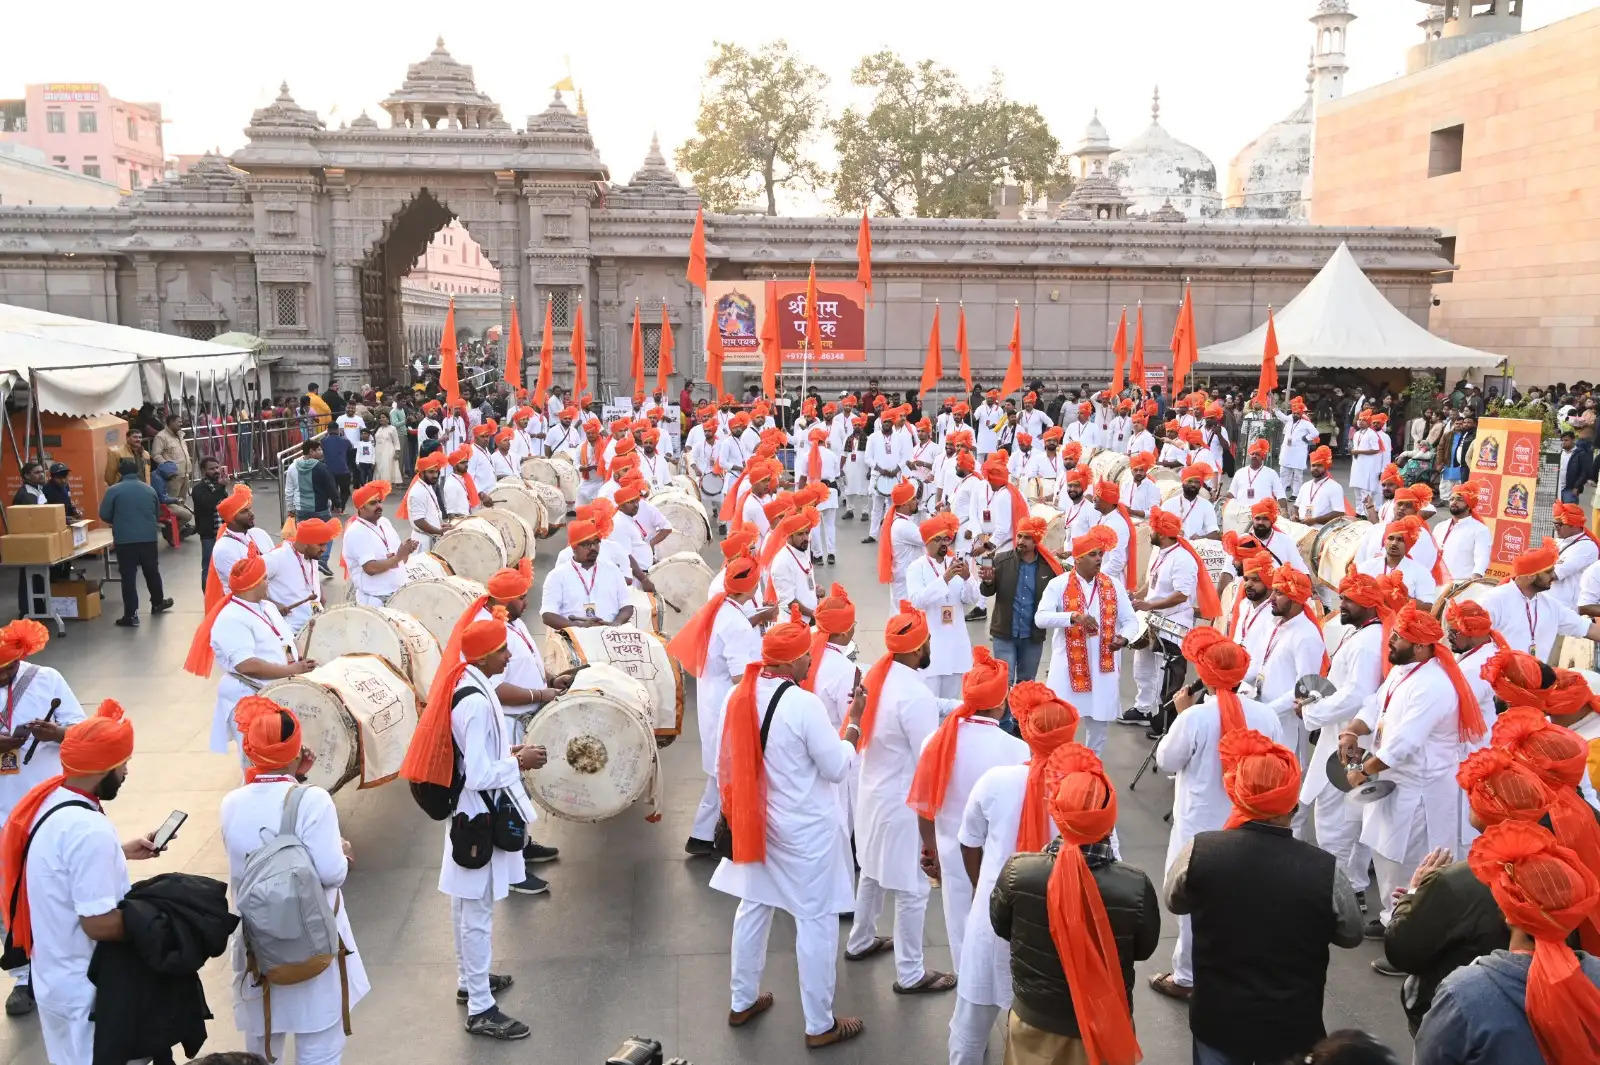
(712, 484)
(884, 483)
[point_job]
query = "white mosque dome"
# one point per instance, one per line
(1156, 167)
(1269, 174)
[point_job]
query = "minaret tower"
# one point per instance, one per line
(1332, 19)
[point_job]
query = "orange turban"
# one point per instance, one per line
(97, 744)
(1419, 627)
(1099, 538)
(905, 632)
(1567, 514)
(1267, 508)
(1197, 471)
(1569, 695)
(20, 639)
(1557, 754)
(1536, 561)
(1142, 461)
(628, 491)
(1361, 589)
(1391, 475)
(316, 531)
(739, 542)
(1034, 529)
(1108, 492)
(1500, 788)
(1221, 665)
(1322, 456)
(1262, 778)
(693, 641)
(460, 455)
(371, 492)
(1084, 807)
(1024, 439)
(580, 531)
(237, 500)
(982, 688)
(943, 524)
(1468, 618)
(509, 583)
(245, 574)
(904, 492)
(1052, 435)
(269, 734)
(1516, 677)
(1072, 452)
(835, 615)
(1259, 446)
(1544, 889)
(430, 758)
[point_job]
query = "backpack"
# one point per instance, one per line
(438, 801)
(290, 932)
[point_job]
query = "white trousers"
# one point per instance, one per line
(816, 949)
(1338, 822)
(910, 913)
(1183, 953)
(68, 1035)
(310, 1048)
(970, 1026)
(1392, 874)
(825, 539)
(1092, 733)
(712, 505)
(880, 503)
(1147, 679)
(710, 808)
(473, 920)
(1292, 479)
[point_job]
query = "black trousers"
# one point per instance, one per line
(342, 481)
(131, 559)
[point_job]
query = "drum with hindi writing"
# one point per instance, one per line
(357, 714)
(681, 582)
(437, 602)
(640, 654)
(1227, 597)
(1055, 527)
(513, 495)
(396, 637)
(1217, 561)
(1109, 466)
(551, 502)
(517, 535)
(423, 565)
(473, 547)
(602, 754)
(691, 524)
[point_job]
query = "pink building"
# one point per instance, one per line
(80, 127)
(453, 263)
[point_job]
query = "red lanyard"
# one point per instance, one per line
(1316, 487)
(1532, 617)
(275, 779)
(1350, 636)
(1399, 684)
(805, 567)
(588, 586)
(260, 614)
(10, 686)
(1266, 656)
(1448, 530)
(1255, 612)
(95, 799)
(382, 536)
(523, 636)
(1253, 475)
(1155, 567)
(305, 568)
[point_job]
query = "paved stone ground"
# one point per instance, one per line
(630, 939)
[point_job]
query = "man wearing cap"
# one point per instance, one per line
(943, 586)
(922, 463)
(236, 537)
(459, 499)
(293, 583)
(1120, 428)
(1173, 584)
(374, 553)
(1524, 611)
(1576, 550)
(65, 898)
(781, 760)
(1464, 540)
(581, 593)
(1194, 509)
(1320, 499)
(1299, 437)
(431, 411)
(1174, 447)
(39, 707)
(423, 503)
(1424, 550)
(1191, 751)
(1091, 621)
(1255, 481)
(313, 1010)
(899, 716)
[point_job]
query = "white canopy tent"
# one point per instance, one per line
(79, 367)
(1341, 321)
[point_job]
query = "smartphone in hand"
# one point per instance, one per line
(168, 829)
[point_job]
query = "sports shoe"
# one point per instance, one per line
(537, 853)
(699, 848)
(498, 982)
(327, 571)
(1382, 967)
(847, 515)
(1136, 715)
(20, 1002)
(161, 607)
(869, 539)
(530, 885)
(830, 560)
(1373, 929)
(129, 622)
(496, 1025)
(977, 613)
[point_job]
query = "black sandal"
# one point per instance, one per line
(879, 945)
(932, 983)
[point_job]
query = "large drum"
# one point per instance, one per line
(517, 535)
(557, 471)
(1234, 515)
(357, 714)
(474, 548)
(512, 495)
(1109, 466)
(551, 503)
(681, 582)
(1055, 527)
(1217, 561)
(685, 484)
(424, 565)
(1334, 547)
(1469, 591)
(640, 654)
(647, 609)
(691, 525)
(437, 603)
(602, 755)
(1038, 489)
(397, 638)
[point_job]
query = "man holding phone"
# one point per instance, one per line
(38, 708)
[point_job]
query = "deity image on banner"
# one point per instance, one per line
(736, 320)
(1489, 454)
(1517, 501)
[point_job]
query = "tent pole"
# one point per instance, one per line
(1289, 388)
(33, 405)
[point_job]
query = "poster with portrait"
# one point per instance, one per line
(738, 310)
(1505, 459)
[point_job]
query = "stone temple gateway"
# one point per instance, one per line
(302, 237)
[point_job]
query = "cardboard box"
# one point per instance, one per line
(44, 518)
(33, 549)
(80, 532)
(77, 608)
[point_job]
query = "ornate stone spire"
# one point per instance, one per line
(557, 118)
(284, 113)
(1155, 107)
(655, 170)
(439, 93)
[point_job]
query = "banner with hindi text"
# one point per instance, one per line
(737, 308)
(1505, 457)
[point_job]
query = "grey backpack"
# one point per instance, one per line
(291, 934)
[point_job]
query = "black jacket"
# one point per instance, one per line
(206, 495)
(1019, 913)
(1004, 586)
(1449, 920)
(1580, 467)
(147, 986)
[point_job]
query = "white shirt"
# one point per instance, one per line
(1145, 496)
(574, 592)
(1254, 485)
(1140, 442)
(1285, 551)
(905, 546)
(1298, 436)
(1033, 422)
(1364, 469)
(1576, 554)
(887, 453)
(501, 464)
(1319, 497)
(887, 841)
(241, 632)
(290, 578)
(1414, 717)
(1464, 545)
(793, 580)
(1087, 435)
(27, 699)
(366, 542)
(1173, 571)
(1355, 671)
(1532, 625)
(1419, 581)
(351, 427)
(1589, 586)
(1101, 701)
(733, 645)
(946, 603)
(422, 502)
(1189, 749)
(232, 547)
(481, 469)
(477, 726)
(75, 869)
(1199, 515)
(365, 452)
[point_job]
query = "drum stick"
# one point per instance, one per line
(675, 607)
(55, 704)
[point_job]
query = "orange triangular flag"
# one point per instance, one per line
(1119, 348)
(580, 354)
(714, 353)
(664, 367)
(636, 352)
(449, 377)
(961, 347)
(1183, 344)
(1269, 363)
(547, 351)
(813, 327)
(514, 352)
(933, 365)
(1013, 380)
(696, 274)
(864, 255)
(771, 342)
(1136, 367)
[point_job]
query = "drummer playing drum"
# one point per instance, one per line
(582, 594)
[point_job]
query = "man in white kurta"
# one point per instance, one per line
(1278, 543)
(1089, 613)
(1294, 648)
(1320, 498)
(1108, 514)
(237, 533)
(424, 502)
(1299, 436)
(944, 588)
(312, 1009)
(987, 418)
(1398, 540)
(1189, 750)
(1193, 507)
(905, 541)
(793, 576)
(1423, 550)
(902, 715)
(248, 632)
(1366, 462)
(374, 553)
(581, 590)
(886, 462)
(1145, 495)
(1526, 614)
(1255, 480)
(293, 583)
(804, 868)
(835, 678)
(1576, 551)
(1463, 540)
(1171, 577)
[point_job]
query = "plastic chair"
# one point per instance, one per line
(165, 517)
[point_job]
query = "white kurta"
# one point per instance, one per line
(366, 542)
(1464, 543)
(1145, 497)
(290, 578)
(1284, 551)
(793, 580)
(1319, 497)
(1253, 485)
(232, 547)
(1576, 554)
(1293, 649)
(946, 603)
(807, 866)
(1414, 717)
(574, 592)
(991, 513)
(733, 645)
(1255, 624)
(1298, 437)
(1102, 701)
(1364, 469)
(1199, 515)
(1424, 552)
(1419, 582)
(887, 842)
(75, 869)
(456, 501)
(987, 419)
(1114, 563)
(1189, 750)
(1355, 671)
(477, 725)
(1139, 443)
(27, 699)
(422, 501)
(1173, 571)
(249, 815)
(905, 545)
(244, 631)
(1531, 625)
(481, 468)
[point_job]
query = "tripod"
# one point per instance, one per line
(1173, 669)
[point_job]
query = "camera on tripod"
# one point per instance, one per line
(640, 1050)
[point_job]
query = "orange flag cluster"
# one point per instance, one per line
(547, 352)
(1013, 378)
(1185, 350)
(698, 277)
(1269, 363)
(514, 352)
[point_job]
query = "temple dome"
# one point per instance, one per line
(1156, 167)
(1269, 174)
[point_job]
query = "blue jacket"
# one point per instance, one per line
(130, 508)
(1478, 1015)
(337, 453)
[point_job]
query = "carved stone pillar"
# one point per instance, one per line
(609, 315)
(248, 318)
(350, 356)
(146, 298)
